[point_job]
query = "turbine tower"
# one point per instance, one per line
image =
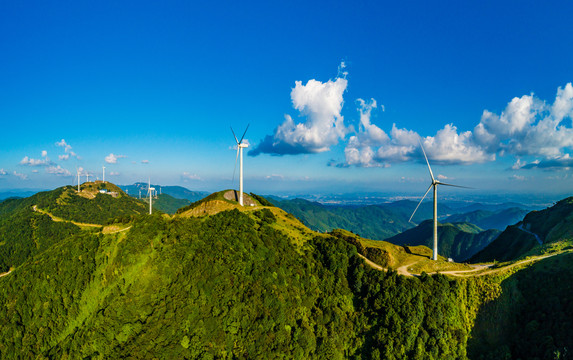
(78, 171)
(87, 176)
(434, 185)
(103, 174)
(150, 191)
(240, 147)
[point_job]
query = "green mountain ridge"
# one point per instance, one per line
(217, 280)
(551, 225)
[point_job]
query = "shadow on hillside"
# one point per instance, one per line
(409, 251)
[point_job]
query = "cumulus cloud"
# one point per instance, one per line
(21, 176)
(145, 161)
(530, 127)
(320, 104)
(58, 170)
(3, 172)
(188, 176)
(44, 161)
(113, 173)
(112, 158)
(527, 127)
(67, 149)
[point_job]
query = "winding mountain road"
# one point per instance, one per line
(520, 227)
(478, 270)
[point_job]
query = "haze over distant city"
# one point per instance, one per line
(337, 95)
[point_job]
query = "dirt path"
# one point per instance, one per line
(478, 270)
(6, 273)
(57, 219)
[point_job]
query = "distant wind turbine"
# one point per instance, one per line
(78, 171)
(240, 147)
(103, 180)
(434, 184)
(150, 191)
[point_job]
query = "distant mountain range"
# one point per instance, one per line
(178, 192)
(380, 222)
(538, 230)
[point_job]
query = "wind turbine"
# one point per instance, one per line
(150, 191)
(103, 174)
(434, 184)
(240, 147)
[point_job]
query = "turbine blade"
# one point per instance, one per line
(235, 169)
(420, 203)
(427, 162)
(458, 186)
(242, 137)
(234, 135)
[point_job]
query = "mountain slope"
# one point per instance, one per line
(233, 284)
(27, 228)
(377, 222)
(168, 204)
(458, 241)
(490, 219)
(554, 224)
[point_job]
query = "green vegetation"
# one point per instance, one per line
(509, 245)
(168, 204)
(532, 317)
(256, 283)
(373, 222)
(458, 241)
(552, 225)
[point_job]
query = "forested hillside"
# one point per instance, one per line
(228, 285)
(458, 241)
(218, 280)
(538, 230)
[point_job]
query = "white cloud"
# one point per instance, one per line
(320, 103)
(187, 176)
(274, 177)
(2, 172)
(529, 127)
(58, 170)
(44, 153)
(517, 177)
(28, 161)
(67, 149)
(112, 158)
(526, 127)
(21, 176)
(442, 177)
(145, 161)
(113, 173)
(62, 143)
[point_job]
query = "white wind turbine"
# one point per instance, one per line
(240, 147)
(103, 174)
(78, 171)
(150, 191)
(434, 184)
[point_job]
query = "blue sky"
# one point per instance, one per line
(150, 89)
